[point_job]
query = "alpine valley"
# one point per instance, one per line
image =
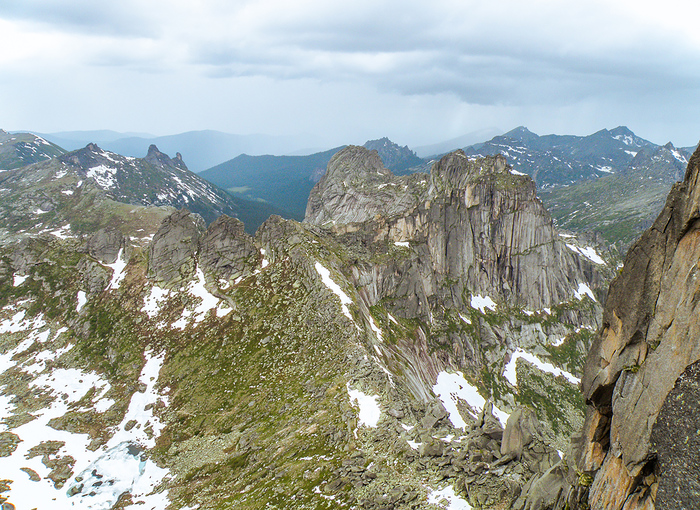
(423, 339)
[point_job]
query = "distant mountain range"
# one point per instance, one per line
(622, 176)
(619, 206)
(556, 160)
(199, 149)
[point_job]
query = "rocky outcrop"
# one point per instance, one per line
(171, 255)
(356, 187)
(105, 244)
(676, 441)
(226, 250)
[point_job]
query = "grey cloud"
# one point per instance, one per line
(123, 18)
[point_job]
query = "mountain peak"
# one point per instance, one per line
(153, 151)
(621, 130)
(521, 133)
(355, 160)
(393, 155)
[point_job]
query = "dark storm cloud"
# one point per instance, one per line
(479, 61)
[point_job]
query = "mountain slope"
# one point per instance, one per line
(201, 149)
(619, 206)
(286, 181)
(403, 358)
(21, 149)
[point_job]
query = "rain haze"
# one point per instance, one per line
(344, 72)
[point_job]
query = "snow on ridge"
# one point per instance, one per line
(335, 288)
(679, 157)
(510, 374)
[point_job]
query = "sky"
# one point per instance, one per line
(344, 72)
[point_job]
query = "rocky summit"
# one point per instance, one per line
(418, 342)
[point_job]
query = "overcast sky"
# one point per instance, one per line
(419, 72)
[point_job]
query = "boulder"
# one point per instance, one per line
(521, 429)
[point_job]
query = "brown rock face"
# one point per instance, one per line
(650, 334)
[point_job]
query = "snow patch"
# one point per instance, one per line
(447, 499)
(207, 302)
(82, 300)
(515, 172)
(679, 157)
(403, 244)
(480, 303)
(510, 374)
(18, 280)
(376, 329)
(584, 290)
(587, 252)
(465, 319)
(153, 301)
(103, 175)
(369, 407)
(335, 288)
(450, 388)
(62, 233)
(117, 271)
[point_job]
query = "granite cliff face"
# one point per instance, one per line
(480, 222)
(640, 379)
